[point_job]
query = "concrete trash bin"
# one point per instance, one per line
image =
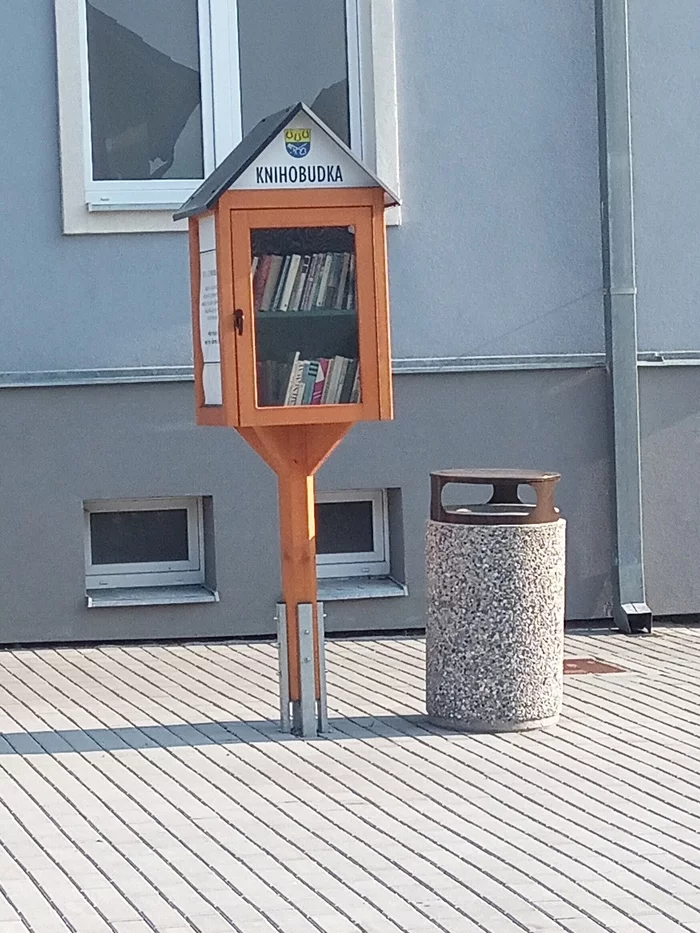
(495, 626)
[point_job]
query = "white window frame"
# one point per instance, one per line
(218, 65)
(374, 563)
(155, 573)
(146, 206)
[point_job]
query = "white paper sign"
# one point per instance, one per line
(209, 313)
(211, 381)
(209, 308)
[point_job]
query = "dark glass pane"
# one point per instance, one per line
(306, 325)
(145, 108)
(157, 536)
(344, 527)
(292, 50)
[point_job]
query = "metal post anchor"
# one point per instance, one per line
(308, 716)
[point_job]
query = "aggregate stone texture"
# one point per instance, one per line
(495, 626)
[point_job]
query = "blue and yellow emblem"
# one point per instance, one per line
(297, 143)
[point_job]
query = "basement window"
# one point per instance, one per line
(144, 551)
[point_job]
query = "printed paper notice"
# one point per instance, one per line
(211, 383)
(209, 308)
(209, 314)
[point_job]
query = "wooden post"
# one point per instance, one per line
(295, 452)
(298, 539)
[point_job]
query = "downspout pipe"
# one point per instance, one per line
(630, 609)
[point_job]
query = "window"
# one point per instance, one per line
(352, 533)
(143, 543)
(154, 95)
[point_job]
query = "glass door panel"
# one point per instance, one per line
(304, 288)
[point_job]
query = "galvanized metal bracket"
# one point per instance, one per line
(633, 618)
(308, 716)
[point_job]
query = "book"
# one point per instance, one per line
(348, 382)
(291, 382)
(286, 292)
(260, 279)
(343, 368)
(300, 369)
(338, 304)
(317, 394)
(316, 284)
(332, 379)
(295, 297)
(271, 282)
(299, 396)
(349, 302)
(327, 383)
(304, 304)
(282, 278)
(323, 284)
(333, 280)
(263, 382)
(283, 372)
(355, 394)
(310, 374)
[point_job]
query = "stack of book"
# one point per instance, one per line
(324, 381)
(316, 281)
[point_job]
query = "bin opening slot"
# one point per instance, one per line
(493, 497)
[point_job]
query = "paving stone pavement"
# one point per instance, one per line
(149, 789)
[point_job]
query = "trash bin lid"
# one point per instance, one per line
(505, 506)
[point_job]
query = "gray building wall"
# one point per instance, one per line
(670, 423)
(498, 254)
(666, 127)
(499, 179)
(665, 72)
(62, 446)
(500, 201)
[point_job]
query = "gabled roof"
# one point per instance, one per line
(248, 150)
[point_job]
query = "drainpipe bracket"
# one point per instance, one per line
(633, 618)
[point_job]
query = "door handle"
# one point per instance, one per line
(238, 321)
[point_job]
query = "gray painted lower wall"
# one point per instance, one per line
(62, 446)
(670, 429)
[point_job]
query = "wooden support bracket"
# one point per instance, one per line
(295, 452)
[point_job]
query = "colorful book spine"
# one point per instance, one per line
(260, 279)
(317, 394)
(322, 381)
(290, 279)
(349, 298)
(281, 279)
(271, 282)
(295, 297)
(292, 380)
(310, 375)
(323, 280)
(348, 381)
(355, 394)
(304, 303)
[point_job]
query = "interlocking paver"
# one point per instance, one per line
(148, 788)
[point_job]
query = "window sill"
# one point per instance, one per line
(150, 596)
(333, 589)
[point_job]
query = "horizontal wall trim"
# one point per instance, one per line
(468, 364)
(135, 375)
(94, 377)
